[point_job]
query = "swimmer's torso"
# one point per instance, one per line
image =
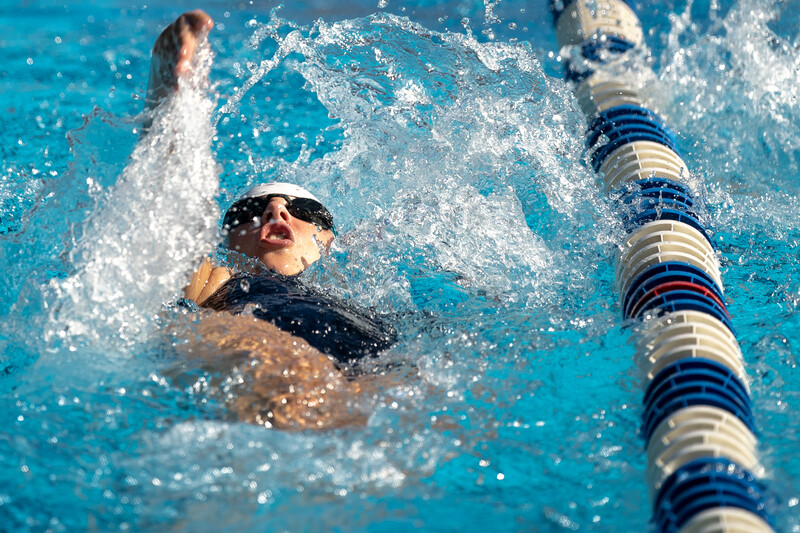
(330, 325)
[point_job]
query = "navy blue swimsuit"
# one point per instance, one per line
(332, 326)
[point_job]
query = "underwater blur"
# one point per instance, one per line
(451, 153)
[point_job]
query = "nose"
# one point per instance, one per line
(276, 209)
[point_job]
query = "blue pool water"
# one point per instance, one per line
(451, 154)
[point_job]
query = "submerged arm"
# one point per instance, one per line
(288, 384)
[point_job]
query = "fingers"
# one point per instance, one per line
(174, 51)
(188, 30)
(216, 279)
(198, 282)
(205, 282)
(199, 21)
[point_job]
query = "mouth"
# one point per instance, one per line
(276, 235)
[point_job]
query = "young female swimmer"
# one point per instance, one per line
(300, 348)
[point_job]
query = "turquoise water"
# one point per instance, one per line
(451, 155)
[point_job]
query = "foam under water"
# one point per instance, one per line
(455, 169)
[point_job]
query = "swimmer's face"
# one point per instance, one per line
(282, 242)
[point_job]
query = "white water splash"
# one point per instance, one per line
(735, 88)
(441, 159)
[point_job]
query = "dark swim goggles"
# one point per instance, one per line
(305, 209)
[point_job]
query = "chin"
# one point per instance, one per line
(286, 270)
(282, 267)
(288, 262)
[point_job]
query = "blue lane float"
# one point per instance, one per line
(612, 123)
(628, 131)
(639, 205)
(651, 196)
(623, 112)
(695, 394)
(696, 383)
(662, 185)
(704, 484)
(659, 183)
(696, 371)
(598, 51)
(593, 50)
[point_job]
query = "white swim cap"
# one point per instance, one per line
(275, 187)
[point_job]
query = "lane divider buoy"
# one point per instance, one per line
(703, 470)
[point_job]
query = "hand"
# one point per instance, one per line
(173, 53)
(205, 282)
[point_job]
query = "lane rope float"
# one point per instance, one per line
(703, 471)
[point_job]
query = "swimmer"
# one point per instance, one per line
(287, 228)
(301, 348)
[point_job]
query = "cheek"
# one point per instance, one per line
(308, 243)
(238, 240)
